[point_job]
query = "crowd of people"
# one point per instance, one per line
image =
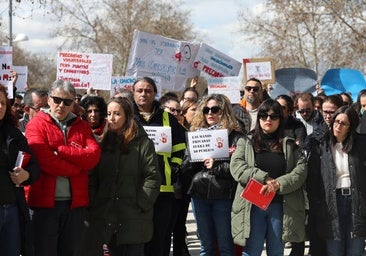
(81, 174)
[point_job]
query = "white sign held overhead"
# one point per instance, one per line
(157, 56)
(85, 70)
(6, 60)
(216, 63)
(21, 83)
(229, 86)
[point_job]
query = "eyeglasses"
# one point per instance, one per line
(252, 88)
(172, 110)
(304, 111)
(328, 113)
(340, 123)
(214, 110)
(58, 100)
(264, 116)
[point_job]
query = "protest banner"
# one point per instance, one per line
(260, 68)
(21, 83)
(6, 60)
(210, 143)
(157, 56)
(85, 70)
(215, 63)
(161, 136)
(229, 86)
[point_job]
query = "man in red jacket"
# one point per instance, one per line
(66, 150)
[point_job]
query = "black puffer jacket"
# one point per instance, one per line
(220, 184)
(321, 187)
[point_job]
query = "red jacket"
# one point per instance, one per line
(72, 157)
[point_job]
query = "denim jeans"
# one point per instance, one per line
(347, 245)
(265, 226)
(9, 230)
(213, 218)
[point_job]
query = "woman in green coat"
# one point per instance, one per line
(123, 187)
(278, 164)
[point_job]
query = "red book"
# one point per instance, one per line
(253, 195)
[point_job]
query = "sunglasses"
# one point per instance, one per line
(303, 111)
(252, 88)
(172, 110)
(264, 116)
(214, 110)
(58, 100)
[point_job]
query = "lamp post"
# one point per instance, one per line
(10, 42)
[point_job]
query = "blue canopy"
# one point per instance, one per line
(343, 80)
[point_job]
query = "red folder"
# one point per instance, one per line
(253, 195)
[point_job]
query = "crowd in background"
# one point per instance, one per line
(91, 182)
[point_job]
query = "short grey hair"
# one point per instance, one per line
(65, 86)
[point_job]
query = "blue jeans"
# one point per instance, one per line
(213, 218)
(265, 226)
(9, 230)
(347, 245)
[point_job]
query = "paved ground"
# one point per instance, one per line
(194, 244)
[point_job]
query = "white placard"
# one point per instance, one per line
(6, 60)
(210, 143)
(157, 56)
(229, 86)
(85, 70)
(216, 63)
(21, 83)
(161, 136)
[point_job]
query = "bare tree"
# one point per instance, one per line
(107, 26)
(41, 69)
(309, 33)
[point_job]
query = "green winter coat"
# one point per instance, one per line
(123, 189)
(242, 167)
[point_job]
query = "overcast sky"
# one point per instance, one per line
(215, 19)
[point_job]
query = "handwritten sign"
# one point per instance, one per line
(161, 136)
(260, 68)
(157, 56)
(21, 83)
(229, 86)
(211, 143)
(6, 60)
(216, 63)
(85, 70)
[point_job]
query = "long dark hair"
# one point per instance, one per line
(354, 120)
(260, 144)
(9, 116)
(128, 132)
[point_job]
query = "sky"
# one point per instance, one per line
(216, 20)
